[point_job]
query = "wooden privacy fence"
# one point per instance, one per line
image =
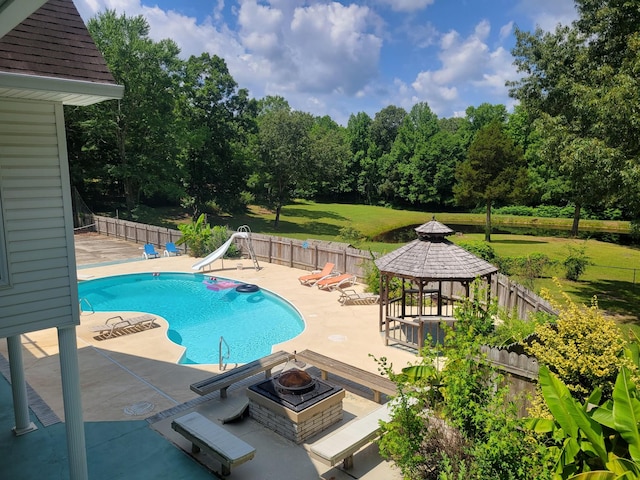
(520, 373)
(313, 254)
(137, 232)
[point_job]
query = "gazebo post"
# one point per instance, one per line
(383, 300)
(404, 303)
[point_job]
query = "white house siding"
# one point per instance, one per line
(39, 288)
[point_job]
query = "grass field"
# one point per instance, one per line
(613, 276)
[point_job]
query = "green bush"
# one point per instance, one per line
(219, 235)
(482, 249)
(468, 429)
(372, 279)
(583, 347)
(590, 439)
(576, 263)
(351, 235)
(510, 328)
(197, 235)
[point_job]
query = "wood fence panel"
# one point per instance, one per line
(520, 374)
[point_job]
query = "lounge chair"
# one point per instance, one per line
(115, 324)
(316, 275)
(146, 321)
(170, 249)
(335, 281)
(351, 297)
(150, 251)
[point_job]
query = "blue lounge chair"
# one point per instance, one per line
(170, 249)
(150, 251)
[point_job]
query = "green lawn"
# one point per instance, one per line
(614, 276)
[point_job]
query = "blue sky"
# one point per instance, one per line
(338, 58)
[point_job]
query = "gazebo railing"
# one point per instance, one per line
(399, 309)
(414, 331)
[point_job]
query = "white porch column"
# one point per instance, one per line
(70, 373)
(19, 387)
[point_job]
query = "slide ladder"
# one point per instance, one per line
(247, 230)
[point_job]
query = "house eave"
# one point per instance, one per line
(68, 92)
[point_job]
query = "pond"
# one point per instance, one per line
(408, 234)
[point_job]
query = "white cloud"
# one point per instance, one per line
(407, 5)
(506, 30)
(465, 64)
(320, 48)
(461, 60)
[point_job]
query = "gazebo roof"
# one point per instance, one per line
(432, 256)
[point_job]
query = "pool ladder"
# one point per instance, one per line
(88, 303)
(222, 358)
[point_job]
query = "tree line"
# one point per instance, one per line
(185, 133)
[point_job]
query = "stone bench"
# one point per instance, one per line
(224, 380)
(375, 382)
(214, 440)
(342, 444)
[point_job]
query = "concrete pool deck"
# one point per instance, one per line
(135, 377)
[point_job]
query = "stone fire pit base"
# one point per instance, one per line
(296, 426)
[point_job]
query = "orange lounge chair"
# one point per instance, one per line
(316, 275)
(336, 281)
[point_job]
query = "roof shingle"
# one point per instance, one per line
(434, 257)
(54, 42)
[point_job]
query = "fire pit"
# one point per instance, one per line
(295, 405)
(295, 381)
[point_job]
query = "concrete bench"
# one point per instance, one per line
(341, 445)
(214, 440)
(377, 383)
(224, 380)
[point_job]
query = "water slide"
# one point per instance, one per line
(219, 252)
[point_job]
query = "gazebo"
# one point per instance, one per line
(434, 274)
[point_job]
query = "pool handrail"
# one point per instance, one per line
(221, 364)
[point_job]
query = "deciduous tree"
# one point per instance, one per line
(217, 118)
(140, 127)
(284, 157)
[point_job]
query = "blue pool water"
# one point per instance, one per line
(198, 315)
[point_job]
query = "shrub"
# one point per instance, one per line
(510, 328)
(527, 269)
(219, 235)
(351, 235)
(482, 250)
(372, 279)
(583, 347)
(468, 429)
(576, 262)
(197, 235)
(592, 439)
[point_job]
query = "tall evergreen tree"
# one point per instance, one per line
(494, 171)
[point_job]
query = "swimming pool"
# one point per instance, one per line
(199, 312)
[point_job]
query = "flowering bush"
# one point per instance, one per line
(583, 347)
